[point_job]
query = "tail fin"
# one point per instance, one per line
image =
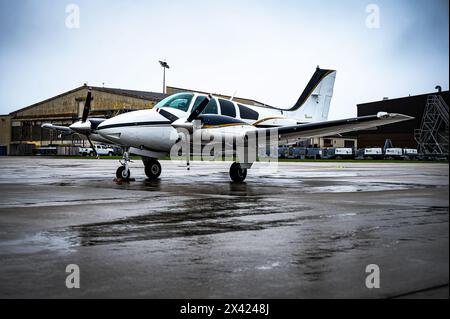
(314, 103)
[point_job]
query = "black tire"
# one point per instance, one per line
(122, 174)
(91, 153)
(110, 154)
(152, 169)
(237, 173)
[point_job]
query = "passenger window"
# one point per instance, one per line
(197, 102)
(211, 107)
(227, 108)
(247, 113)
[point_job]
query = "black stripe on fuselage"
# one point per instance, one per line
(152, 123)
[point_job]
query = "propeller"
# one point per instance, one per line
(84, 126)
(199, 109)
(87, 106)
(187, 123)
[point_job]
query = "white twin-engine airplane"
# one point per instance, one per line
(152, 133)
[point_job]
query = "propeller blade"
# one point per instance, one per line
(199, 108)
(92, 146)
(87, 106)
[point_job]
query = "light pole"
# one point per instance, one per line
(164, 66)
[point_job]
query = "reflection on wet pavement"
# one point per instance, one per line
(303, 225)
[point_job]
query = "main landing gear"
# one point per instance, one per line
(152, 167)
(237, 172)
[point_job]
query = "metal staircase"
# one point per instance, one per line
(433, 136)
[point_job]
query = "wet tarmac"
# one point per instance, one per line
(305, 230)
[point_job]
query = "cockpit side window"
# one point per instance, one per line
(227, 108)
(179, 101)
(211, 107)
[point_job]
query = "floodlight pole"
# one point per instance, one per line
(164, 80)
(164, 66)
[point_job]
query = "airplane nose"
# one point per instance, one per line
(142, 128)
(107, 130)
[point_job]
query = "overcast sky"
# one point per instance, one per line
(264, 50)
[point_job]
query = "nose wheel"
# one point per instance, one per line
(152, 168)
(237, 172)
(123, 172)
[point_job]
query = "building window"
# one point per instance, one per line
(80, 108)
(327, 142)
(349, 144)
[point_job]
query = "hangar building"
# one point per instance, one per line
(20, 131)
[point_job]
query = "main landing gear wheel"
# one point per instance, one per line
(237, 173)
(152, 169)
(123, 173)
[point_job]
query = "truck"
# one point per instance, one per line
(101, 150)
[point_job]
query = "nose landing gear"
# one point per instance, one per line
(123, 172)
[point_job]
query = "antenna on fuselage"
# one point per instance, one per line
(232, 97)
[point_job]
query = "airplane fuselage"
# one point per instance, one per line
(152, 129)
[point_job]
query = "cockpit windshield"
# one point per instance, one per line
(180, 101)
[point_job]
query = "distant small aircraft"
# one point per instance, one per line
(152, 133)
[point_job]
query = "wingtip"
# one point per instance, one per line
(402, 117)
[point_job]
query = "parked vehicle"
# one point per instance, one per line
(370, 153)
(410, 153)
(46, 150)
(338, 153)
(296, 152)
(313, 153)
(393, 153)
(101, 150)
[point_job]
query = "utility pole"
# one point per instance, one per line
(164, 66)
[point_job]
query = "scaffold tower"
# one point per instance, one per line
(433, 136)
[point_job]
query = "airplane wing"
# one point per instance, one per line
(291, 134)
(62, 129)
